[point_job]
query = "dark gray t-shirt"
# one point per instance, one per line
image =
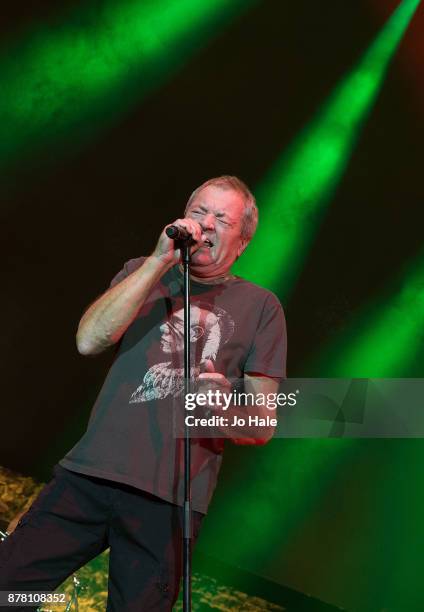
(237, 325)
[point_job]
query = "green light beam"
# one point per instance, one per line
(76, 76)
(383, 341)
(298, 187)
(280, 484)
(293, 196)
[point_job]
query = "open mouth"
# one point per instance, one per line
(207, 243)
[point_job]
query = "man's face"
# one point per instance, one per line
(219, 213)
(172, 339)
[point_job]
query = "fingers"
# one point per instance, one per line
(212, 381)
(192, 227)
(212, 376)
(165, 249)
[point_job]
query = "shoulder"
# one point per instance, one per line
(132, 264)
(257, 293)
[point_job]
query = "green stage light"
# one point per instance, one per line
(73, 78)
(382, 342)
(293, 196)
(271, 505)
(272, 494)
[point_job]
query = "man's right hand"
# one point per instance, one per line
(107, 319)
(165, 250)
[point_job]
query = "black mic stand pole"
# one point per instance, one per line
(185, 251)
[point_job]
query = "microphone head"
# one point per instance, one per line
(178, 233)
(172, 232)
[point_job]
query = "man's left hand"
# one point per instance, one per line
(211, 380)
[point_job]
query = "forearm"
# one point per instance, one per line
(251, 421)
(104, 323)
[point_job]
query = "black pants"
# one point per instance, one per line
(75, 518)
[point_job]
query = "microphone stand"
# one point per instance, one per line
(187, 522)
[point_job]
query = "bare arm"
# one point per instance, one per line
(255, 383)
(108, 318)
(104, 323)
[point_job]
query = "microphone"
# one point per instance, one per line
(178, 233)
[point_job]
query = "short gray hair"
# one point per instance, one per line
(250, 215)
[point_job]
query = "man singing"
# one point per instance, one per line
(121, 485)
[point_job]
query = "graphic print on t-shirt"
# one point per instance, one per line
(210, 328)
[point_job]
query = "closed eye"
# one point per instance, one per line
(218, 217)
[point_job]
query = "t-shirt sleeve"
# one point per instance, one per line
(128, 268)
(268, 352)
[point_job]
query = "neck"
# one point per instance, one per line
(209, 280)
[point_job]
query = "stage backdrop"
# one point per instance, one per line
(112, 113)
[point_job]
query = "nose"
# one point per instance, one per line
(208, 222)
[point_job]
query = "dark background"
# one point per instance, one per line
(72, 215)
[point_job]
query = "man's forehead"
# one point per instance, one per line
(221, 200)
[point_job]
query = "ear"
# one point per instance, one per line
(241, 247)
(197, 332)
